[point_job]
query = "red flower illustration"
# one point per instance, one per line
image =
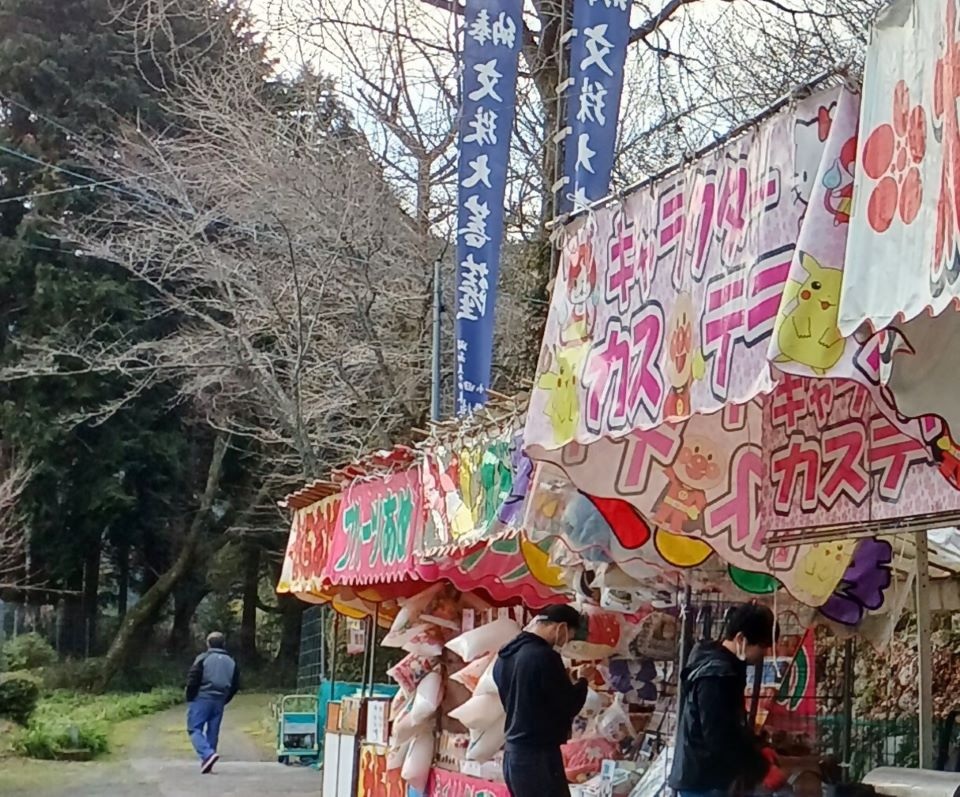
(892, 156)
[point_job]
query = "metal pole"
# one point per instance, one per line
(925, 650)
(846, 742)
(682, 654)
(373, 646)
(437, 313)
(333, 654)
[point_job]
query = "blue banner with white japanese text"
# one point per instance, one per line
(492, 38)
(598, 51)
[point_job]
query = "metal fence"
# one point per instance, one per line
(310, 669)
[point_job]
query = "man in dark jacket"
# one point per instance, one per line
(715, 746)
(540, 702)
(212, 682)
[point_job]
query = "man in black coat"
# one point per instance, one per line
(540, 702)
(715, 746)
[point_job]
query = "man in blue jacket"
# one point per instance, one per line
(540, 702)
(212, 682)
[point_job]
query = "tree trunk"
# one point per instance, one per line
(123, 581)
(187, 597)
(150, 604)
(70, 636)
(91, 598)
(248, 621)
(288, 656)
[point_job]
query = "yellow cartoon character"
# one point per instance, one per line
(563, 405)
(808, 334)
(820, 570)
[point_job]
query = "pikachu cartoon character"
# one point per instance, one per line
(821, 569)
(808, 334)
(563, 405)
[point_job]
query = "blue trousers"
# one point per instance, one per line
(535, 773)
(203, 724)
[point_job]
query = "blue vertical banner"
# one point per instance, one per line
(492, 38)
(598, 52)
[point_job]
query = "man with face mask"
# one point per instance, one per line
(540, 701)
(715, 746)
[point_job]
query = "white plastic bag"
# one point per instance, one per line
(408, 616)
(479, 712)
(416, 766)
(487, 685)
(486, 743)
(396, 755)
(486, 639)
(593, 705)
(427, 699)
(614, 723)
(426, 640)
(470, 675)
(404, 729)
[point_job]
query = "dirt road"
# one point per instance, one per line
(154, 759)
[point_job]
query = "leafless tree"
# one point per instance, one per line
(695, 70)
(14, 478)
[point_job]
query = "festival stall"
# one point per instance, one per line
(423, 542)
(699, 418)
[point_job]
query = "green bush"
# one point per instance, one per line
(73, 674)
(70, 722)
(18, 699)
(28, 652)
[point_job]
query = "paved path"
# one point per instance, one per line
(156, 761)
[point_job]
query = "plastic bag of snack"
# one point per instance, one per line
(426, 640)
(614, 723)
(486, 685)
(486, 743)
(583, 758)
(411, 670)
(484, 640)
(419, 759)
(470, 675)
(479, 712)
(396, 755)
(428, 697)
(409, 616)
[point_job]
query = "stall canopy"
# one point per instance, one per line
(903, 259)
(693, 372)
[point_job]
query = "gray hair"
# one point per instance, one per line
(216, 639)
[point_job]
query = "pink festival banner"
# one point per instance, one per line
(453, 784)
(373, 539)
(693, 367)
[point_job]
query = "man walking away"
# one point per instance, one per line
(212, 682)
(540, 702)
(715, 746)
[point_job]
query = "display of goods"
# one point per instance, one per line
(419, 759)
(484, 640)
(397, 754)
(411, 670)
(583, 758)
(409, 616)
(428, 698)
(487, 685)
(614, 723)
(427, 640)
(486, 743)
(479, 712)
(599, 636)
(656, 638)
(470, 675)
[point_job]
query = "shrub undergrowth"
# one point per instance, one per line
(67, 723)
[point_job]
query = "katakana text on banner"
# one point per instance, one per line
(492, 36)
(597, 55)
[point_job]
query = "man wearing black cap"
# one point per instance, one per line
(540, 702)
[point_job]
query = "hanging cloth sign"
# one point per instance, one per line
(491, 46)
(601, 35)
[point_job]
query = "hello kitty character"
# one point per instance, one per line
(581, 295)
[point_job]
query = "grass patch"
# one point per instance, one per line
(68, 724)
